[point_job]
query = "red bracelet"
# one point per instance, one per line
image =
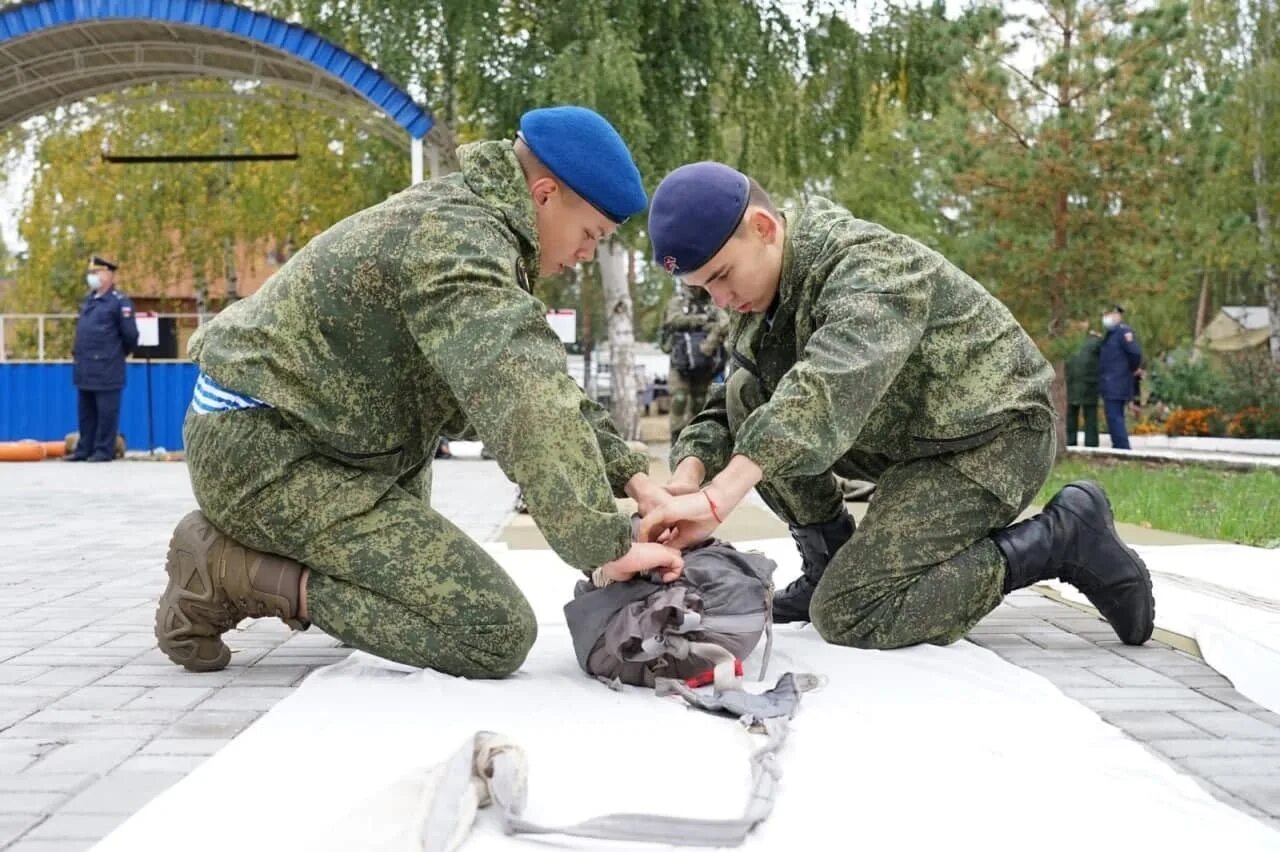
(712, 504)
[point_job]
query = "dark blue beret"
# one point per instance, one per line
(695, 210)
(582, 149)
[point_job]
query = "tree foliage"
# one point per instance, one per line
(1075, 153)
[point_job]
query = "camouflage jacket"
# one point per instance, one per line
(877, 344)
(684, 313)
(1082, 371)
(415, 318)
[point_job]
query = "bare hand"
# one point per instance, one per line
(642, 557)
(680, 522)
(687, 477)
(647, 494)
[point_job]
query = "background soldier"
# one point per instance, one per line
(1082, 389)
(106, 332)
(692, 333)
(1119, 361)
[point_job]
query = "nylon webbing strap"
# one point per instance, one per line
(654, 828)
(490, 768)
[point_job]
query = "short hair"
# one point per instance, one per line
(756, 197)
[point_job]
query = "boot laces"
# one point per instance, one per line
(252, 608)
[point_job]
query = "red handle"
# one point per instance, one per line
(709, 675)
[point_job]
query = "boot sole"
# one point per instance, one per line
(1096, 493)
(176, 634)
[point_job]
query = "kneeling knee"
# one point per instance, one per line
(867, 630)
(499, 649)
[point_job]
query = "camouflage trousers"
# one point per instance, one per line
(389, 575)
(687, 398)
(920, 567)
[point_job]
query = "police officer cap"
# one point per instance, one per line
(102, 263)
(1117, 309)
(695, 210)
(583, 150)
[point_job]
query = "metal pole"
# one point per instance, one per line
(4, 341)
(415, 160)
(151, 429)
(40, 336)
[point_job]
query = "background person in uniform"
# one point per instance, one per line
(862, 352)
(322, 396)
(692, 333)
(1082, 388)
(106, 332)
(1119, 361)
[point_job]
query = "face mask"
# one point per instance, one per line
(1108, 322)
(92, 280)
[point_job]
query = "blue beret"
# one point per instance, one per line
(695, 210)
(582, 149)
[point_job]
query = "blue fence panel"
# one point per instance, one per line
(38, 401)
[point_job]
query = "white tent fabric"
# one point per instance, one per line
(921, 748)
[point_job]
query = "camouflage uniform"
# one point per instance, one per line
(1082, 390)
(690, 309)
(406, 321)
(881, 361)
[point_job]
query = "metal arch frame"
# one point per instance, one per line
(314, 102)
(197, 65)
(161, 73)
(264, 39)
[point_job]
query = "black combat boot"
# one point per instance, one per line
(817, 544)
(1074, 539)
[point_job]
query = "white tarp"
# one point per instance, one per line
(915, 749)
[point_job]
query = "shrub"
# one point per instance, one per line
(1255, 422)
(1195, 422)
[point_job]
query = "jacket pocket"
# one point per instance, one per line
(942, 446)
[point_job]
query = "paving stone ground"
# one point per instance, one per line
(94, 721)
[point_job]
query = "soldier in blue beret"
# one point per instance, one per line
(106, 332)
(322, 397)
(862, 353)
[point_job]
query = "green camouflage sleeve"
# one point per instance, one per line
(707, 436)
(620, 461)
(505, 366)
(873, 311)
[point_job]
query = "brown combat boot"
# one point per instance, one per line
(214, 582)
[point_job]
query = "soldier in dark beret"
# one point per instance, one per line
(860, 352)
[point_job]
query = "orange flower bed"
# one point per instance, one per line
(1201, 422)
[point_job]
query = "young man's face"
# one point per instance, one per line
(743, 276)
(569, 229)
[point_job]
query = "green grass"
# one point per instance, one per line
(1199, 501)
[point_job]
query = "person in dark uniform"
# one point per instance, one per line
(1118, 363)
(1082, 389)
(106, 333)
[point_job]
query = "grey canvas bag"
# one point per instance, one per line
(641, 631)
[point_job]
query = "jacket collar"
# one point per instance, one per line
(491, 171)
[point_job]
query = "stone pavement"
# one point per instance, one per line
(94, 721)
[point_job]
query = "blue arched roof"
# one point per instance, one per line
(33, 19)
